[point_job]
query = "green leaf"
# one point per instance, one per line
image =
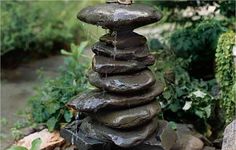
(36, 144)
(172, 125)
(65, 53)
(17, 148)
(199, 113)
(83, 45)
(208, 110)
(175, 106)
(68, 115)
(187, 105)
(52, 107)
(51, 123)
(167, 95)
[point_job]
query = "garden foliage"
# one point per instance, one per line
(225, 73)
(185, 99)
(198, 42)
(227, 8)
(49, 103)
(39, 26)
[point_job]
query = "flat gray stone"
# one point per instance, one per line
(122, 83)
(187, 141)
(229, 140)
(73, 134)
(106, 65)
(209, 148)
(163, 139)
(95, 100)
(119, 17)
(123, 40)
(137, 53)
(76, 137)
(121, 138)
(128, 118)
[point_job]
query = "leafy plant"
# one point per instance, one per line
(225, 73)
(35, 145)
(48, 104)
(227, 8)
(198, 42)
(185, 99)
(31, 29)
(46, 26)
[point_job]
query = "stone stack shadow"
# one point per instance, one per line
(123, 109)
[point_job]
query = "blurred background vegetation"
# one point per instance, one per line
(40, 28)
(191, 58)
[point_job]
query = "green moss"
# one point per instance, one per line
(225, 73)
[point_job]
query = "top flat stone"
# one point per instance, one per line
(119, 17)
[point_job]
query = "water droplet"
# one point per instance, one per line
(72, 139)
(115, 42)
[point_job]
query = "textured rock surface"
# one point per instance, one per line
(95, 100)
(122, 138)
(85, 143)
(166, 135)
(229, 140)
(119, 17)
(137, 53)
(49, 140)
(122, 83)
(209, 148)
(186, 139)
(128, 118)
(124, 40)
(78, 138)
(107, 65)
(122, 113)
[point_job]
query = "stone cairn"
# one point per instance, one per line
(122, 111)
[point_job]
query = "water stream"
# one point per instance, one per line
(115, 42)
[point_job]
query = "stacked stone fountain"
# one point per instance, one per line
(122, 111)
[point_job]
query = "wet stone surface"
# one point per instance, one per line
(122, 83)
(164, 138)
(95, 100)
(124, 40)
(137, 53)
(81, 140)
(122, 111)
(122, 138)
(107, 65)
(128, 118)
(120, 17)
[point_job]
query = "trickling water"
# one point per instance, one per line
(97, 29)
(115, 42)
(77, 122)
(107, 31)
(72, 139)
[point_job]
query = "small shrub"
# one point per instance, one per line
(198, 42)
(227, 8)
(39, 26)
(225, 73)
(48, 104)
(186, 99)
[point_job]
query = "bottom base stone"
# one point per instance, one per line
(78, 138)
